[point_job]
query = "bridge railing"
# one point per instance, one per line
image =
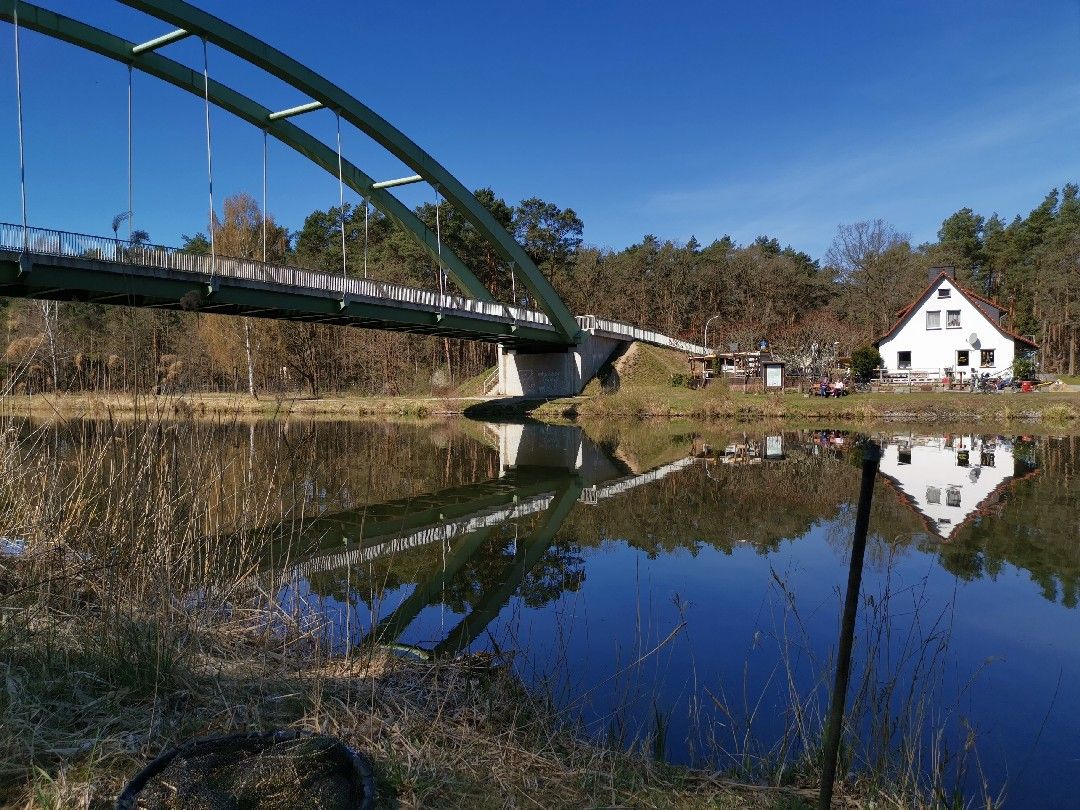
(49, 242)
(594, 324)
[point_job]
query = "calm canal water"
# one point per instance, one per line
(688, 578)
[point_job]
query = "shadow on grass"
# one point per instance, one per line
(508, 409)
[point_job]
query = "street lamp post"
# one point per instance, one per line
(706, 337)
(705, 345)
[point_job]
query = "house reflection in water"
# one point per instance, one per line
(951, 479)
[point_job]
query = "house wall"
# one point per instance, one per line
(935, 349)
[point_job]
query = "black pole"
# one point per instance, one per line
(871, 455)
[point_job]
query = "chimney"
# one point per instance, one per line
(934, 272)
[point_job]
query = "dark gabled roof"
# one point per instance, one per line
(972, 297)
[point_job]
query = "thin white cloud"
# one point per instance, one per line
(803, 200)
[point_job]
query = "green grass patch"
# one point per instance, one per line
(475, 386)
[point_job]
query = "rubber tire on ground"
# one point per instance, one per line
(363, 775)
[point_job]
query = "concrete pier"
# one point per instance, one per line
(529, 373)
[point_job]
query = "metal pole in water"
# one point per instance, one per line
(834, 723)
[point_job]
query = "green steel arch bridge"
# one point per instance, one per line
(545, 351)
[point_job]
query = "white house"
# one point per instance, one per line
(950, 328)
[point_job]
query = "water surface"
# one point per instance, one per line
(688, 579)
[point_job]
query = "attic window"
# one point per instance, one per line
(944, 292)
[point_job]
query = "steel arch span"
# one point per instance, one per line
(192, 21)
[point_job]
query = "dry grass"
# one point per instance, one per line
(450, 734)
(226, 406)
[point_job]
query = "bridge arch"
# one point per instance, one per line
(194, 21)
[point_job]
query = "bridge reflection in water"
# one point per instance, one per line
(370, 572)
(545, 470)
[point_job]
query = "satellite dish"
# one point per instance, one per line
(973, 340)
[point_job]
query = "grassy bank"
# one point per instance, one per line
(644, 390)
(631, 402)
(217, 406)
(717, 403)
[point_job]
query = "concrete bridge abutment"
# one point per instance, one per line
(559, 373)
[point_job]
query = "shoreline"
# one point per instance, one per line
(1055, 408)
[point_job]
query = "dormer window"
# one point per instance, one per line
(944, 292)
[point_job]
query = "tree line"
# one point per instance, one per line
(761, 290)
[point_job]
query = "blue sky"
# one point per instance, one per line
(677, 119)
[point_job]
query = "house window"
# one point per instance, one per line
(952, 496)
(944, 292)
(933, 319)
(986, 358)
(986, 459)
(933, 495)
(903, 359)
(952, 319)
(962, 358)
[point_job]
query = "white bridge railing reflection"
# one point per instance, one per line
(376, 548)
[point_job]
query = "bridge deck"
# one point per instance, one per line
(57, 265)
